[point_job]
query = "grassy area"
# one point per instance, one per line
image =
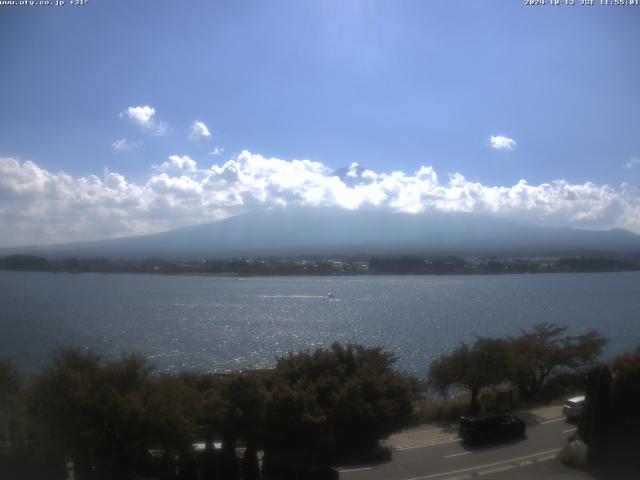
(429, 409)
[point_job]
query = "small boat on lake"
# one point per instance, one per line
(331, 295)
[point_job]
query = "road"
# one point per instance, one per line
(438, 454)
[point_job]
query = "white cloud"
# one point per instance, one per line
(633, 163)
(177, 163)
(353, 170)
(144, 117)
(500, 142)
(216, 151)
(124, 145)
(199, 131)
(39, 206)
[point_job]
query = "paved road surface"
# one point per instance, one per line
(436, 453)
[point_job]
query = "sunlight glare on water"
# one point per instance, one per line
(220, 324)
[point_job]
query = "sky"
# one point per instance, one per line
(121, 118)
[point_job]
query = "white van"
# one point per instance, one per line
(574, 407)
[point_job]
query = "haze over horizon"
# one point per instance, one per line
(117, 120)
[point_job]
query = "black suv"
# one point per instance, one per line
(483, 427)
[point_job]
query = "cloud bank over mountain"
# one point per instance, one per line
(38, 206)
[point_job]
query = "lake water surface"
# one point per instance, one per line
(217, 324)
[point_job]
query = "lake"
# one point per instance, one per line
(219, 324)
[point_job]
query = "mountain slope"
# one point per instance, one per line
(331, 231)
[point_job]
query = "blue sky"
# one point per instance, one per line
(389, 85)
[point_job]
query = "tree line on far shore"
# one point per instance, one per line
(313, 265)
(118, 420)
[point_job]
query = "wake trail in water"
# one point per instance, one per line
(292, 296)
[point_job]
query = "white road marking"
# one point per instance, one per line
(496, 470)
(424, 445)
(545, 459)
(354, 469)
(488, 465)
(525, 463)
(396, 445)
(569, 430)
(457, 454)
(553, 420)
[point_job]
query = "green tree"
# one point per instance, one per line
(65, 401)
(546, 350)
(26, 451)
(625, 422)
(174, 407)
(595, 425)
(10, 383)
(107, 416)
(333, 402)
(244, 402)
(612, 419)
(483, 364)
